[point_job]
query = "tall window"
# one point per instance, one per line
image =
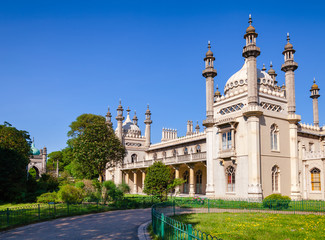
(315, 179)
(134, 158)
(198, 148)
(274, 137)
(231, 180)
(155, 156)
(174, 152)
(185, 150)
(275, 178)
(226, 140)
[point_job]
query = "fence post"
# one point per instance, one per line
(208, 206)
(39, 212)
(189, 231)
(8, 212)
(162, 226)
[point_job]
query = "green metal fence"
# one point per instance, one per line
(39, 212)
(168, 228)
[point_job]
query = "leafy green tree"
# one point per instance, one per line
(96, 149)
(71, 194)
(159, 181)
(14, 154)
(77, 127)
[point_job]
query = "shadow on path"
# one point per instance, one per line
(121, 224)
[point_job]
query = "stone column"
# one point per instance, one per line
(315, 112)
(127, 177)
(254, 158)
(143, 178)
(210, 191)
(295, 192)
(290, 86)
(176, 176)
(135, 186)
(192, 189)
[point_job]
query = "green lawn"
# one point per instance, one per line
(259, 226)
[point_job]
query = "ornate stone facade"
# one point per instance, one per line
(253, 143)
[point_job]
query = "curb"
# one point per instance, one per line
(143, 234)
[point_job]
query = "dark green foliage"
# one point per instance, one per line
(47, 197)
(80, 185)
(111, 192)
(71, 194)
(96, 149)
(276, 201)
(14, 157)
(82, 122)
(159, 181)
(125, 188)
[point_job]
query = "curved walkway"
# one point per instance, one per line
(121, 224)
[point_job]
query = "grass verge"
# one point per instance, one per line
(258, 226)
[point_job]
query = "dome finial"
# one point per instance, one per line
(250, 19)
(263, 69)
(288, 37)
(209, 45)
(271, 65)
(314, 82)
(128, 110)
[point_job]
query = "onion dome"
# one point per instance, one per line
(288, 46)
(250, 28)
(129, 127)
(271, 70)
(34, 150)
(263, 69)
(315, 86)
(209, 52)
(238, 81)
(217, 93)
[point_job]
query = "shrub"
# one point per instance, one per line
(111, 192)
(125, 188)
(276, 201)
(80, 185)
(71, 194)
(47, 197)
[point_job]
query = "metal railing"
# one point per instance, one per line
(167, 227)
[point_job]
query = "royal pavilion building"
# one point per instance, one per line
(252, 145)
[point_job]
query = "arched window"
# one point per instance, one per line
(231, 179)
(275, 178)
(198, 181)
(185, 150)
(134, 158)
(198, 148)
(274, 137)
(315, 179)
(186, 180)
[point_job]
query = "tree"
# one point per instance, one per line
(96, 149)
(159, 181)
(14, 158)
(77, 127)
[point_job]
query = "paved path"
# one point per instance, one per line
(107, 225)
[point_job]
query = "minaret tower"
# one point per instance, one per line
(289, 67)
(119, 119)
(250, 53)
(148, 127)
(209, 73)
(315, 95)
(273, 74)
(109, 119)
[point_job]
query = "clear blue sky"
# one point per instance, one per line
(59, 59)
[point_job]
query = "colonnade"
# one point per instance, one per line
(135, 178)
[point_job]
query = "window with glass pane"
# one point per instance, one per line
(224, 141)
(230, 173)
(315, 179)
(229, 140)
(274, 137)
(275, 178)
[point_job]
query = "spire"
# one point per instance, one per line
(315, 95)
(120, 109)
(209, 53)
(135, 119)
(217, 92)
(197, 127)
(314, 90)
(263, 69)
(272, 73)
(109, 118)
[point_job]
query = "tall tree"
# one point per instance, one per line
(96, 149)
(14, 158)
(159, 181)
(84, 120)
